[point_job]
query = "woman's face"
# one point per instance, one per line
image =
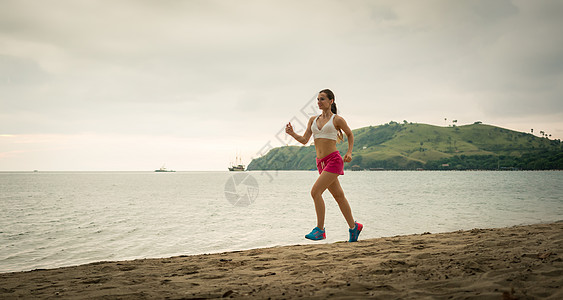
(323, 101)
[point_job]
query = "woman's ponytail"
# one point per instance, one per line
(330, 96)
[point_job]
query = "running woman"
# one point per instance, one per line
(326, 130)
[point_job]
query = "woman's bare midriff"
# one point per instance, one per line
(324, 147)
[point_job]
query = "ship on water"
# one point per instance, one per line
(238, 166)
(163, 169)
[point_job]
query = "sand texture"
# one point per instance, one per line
(523, 262)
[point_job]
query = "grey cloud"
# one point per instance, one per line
(17, 71)
(119, 63)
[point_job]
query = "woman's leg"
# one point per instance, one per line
(338, 194)
(322, 183)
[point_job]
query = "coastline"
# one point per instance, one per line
(520, 262)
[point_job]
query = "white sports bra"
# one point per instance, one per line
(327, 132)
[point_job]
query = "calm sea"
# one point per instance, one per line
(59, 219)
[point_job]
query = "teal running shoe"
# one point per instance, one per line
(355, 233)
(316, 235)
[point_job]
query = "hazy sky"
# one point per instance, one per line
(132, 85)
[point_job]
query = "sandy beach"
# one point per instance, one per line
(522, 262)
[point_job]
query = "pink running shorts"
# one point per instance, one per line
(332, 163)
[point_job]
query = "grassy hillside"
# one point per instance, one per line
(412, 146)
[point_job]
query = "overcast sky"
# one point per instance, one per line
(132, 85)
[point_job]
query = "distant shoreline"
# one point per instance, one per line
(260, 171)
(412, 146)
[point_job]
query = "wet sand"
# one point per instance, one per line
(523, 262)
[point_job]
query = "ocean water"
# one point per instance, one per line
(56, 219)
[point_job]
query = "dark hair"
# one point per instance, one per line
(330, 96)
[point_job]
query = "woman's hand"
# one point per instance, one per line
(347, 157)
(289, 129)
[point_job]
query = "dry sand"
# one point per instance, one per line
(524, 262)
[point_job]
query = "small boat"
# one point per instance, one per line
(238, 166)
(163, 169)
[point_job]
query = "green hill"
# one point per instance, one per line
(410, 146)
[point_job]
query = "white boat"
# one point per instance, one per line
(163, 169)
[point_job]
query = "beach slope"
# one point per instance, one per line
(522, 262)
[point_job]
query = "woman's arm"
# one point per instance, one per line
(304, 139)
(341, 124)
